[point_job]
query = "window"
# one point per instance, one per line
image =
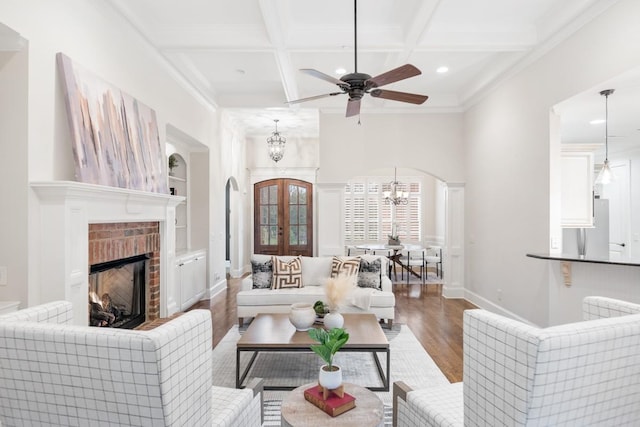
(367, 218)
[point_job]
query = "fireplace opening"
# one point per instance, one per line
(117, 293)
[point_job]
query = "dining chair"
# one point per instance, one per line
(434, 256)
(412, 259)
(387, 253)
(354, 250)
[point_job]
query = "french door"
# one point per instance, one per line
(283, 220)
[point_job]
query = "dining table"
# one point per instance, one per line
(395, 257)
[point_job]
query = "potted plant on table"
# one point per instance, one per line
(330, 342)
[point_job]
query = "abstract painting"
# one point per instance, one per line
(114, 136)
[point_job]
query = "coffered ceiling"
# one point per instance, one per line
(245, 55)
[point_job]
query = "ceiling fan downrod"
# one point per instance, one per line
(355, 35)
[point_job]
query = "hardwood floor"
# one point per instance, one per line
(434, 320)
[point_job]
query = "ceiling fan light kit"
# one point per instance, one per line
(605, 176)
(276, 143)
(356, 84)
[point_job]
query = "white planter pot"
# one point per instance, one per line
(302, 316)
(330, 379)
(333, 320)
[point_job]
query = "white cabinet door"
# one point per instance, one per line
(577, 188)
(200, 276)
(191, 278)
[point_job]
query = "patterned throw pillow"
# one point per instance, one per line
(345, 266)
(369, 275)
(286, 274)
(262, 274)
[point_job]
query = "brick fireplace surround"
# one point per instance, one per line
(114, 241)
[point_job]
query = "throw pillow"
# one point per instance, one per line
(286, 274)
(345, 266)
(262, 274)
(369, 275)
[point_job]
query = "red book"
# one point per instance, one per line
(334, 405)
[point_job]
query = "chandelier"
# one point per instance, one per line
(397, 196)
(605, 176)
(276, 145)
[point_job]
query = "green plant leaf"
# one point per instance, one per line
(330, 342)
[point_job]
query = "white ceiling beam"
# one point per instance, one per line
(273, 26)
(417, 27)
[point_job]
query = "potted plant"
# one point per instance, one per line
(330, 342)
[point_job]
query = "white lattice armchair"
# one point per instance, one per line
(579, 374)
(53, 373)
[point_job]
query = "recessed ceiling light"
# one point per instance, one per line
(442, 69)
(597, 122)
(340, 71)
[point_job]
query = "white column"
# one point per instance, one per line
(453, 254)
(330, 221)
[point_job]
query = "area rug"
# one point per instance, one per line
(409, 363)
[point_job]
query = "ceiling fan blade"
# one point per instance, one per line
(399, 96)
(323, 76)
(311, 98)
(353, 107)
(400, 73)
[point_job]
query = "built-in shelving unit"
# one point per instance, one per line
(178, 186)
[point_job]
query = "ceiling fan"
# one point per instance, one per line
(356, 84)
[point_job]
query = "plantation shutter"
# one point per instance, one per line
(367, 218)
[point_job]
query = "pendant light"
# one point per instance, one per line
(606, 175)
(276, 144)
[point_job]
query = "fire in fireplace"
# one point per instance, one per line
(117, 293)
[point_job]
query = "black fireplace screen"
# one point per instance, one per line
(117, 293)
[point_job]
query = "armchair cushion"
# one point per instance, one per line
(234, 407)
(433, 406)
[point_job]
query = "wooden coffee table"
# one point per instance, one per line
(296, 411)
(274, 332)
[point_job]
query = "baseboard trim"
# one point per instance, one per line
(453, 292)
(217, 288)
(484, 303)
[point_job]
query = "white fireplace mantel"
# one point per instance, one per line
(66, 208)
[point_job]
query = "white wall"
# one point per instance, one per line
(507, 163)
(299, 153)
(13, 174)
(430, 143)
(100, 40)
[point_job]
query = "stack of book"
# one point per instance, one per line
(334, 405)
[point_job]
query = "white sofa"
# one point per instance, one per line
(315, 271)
(579, 374)
(56, 374)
